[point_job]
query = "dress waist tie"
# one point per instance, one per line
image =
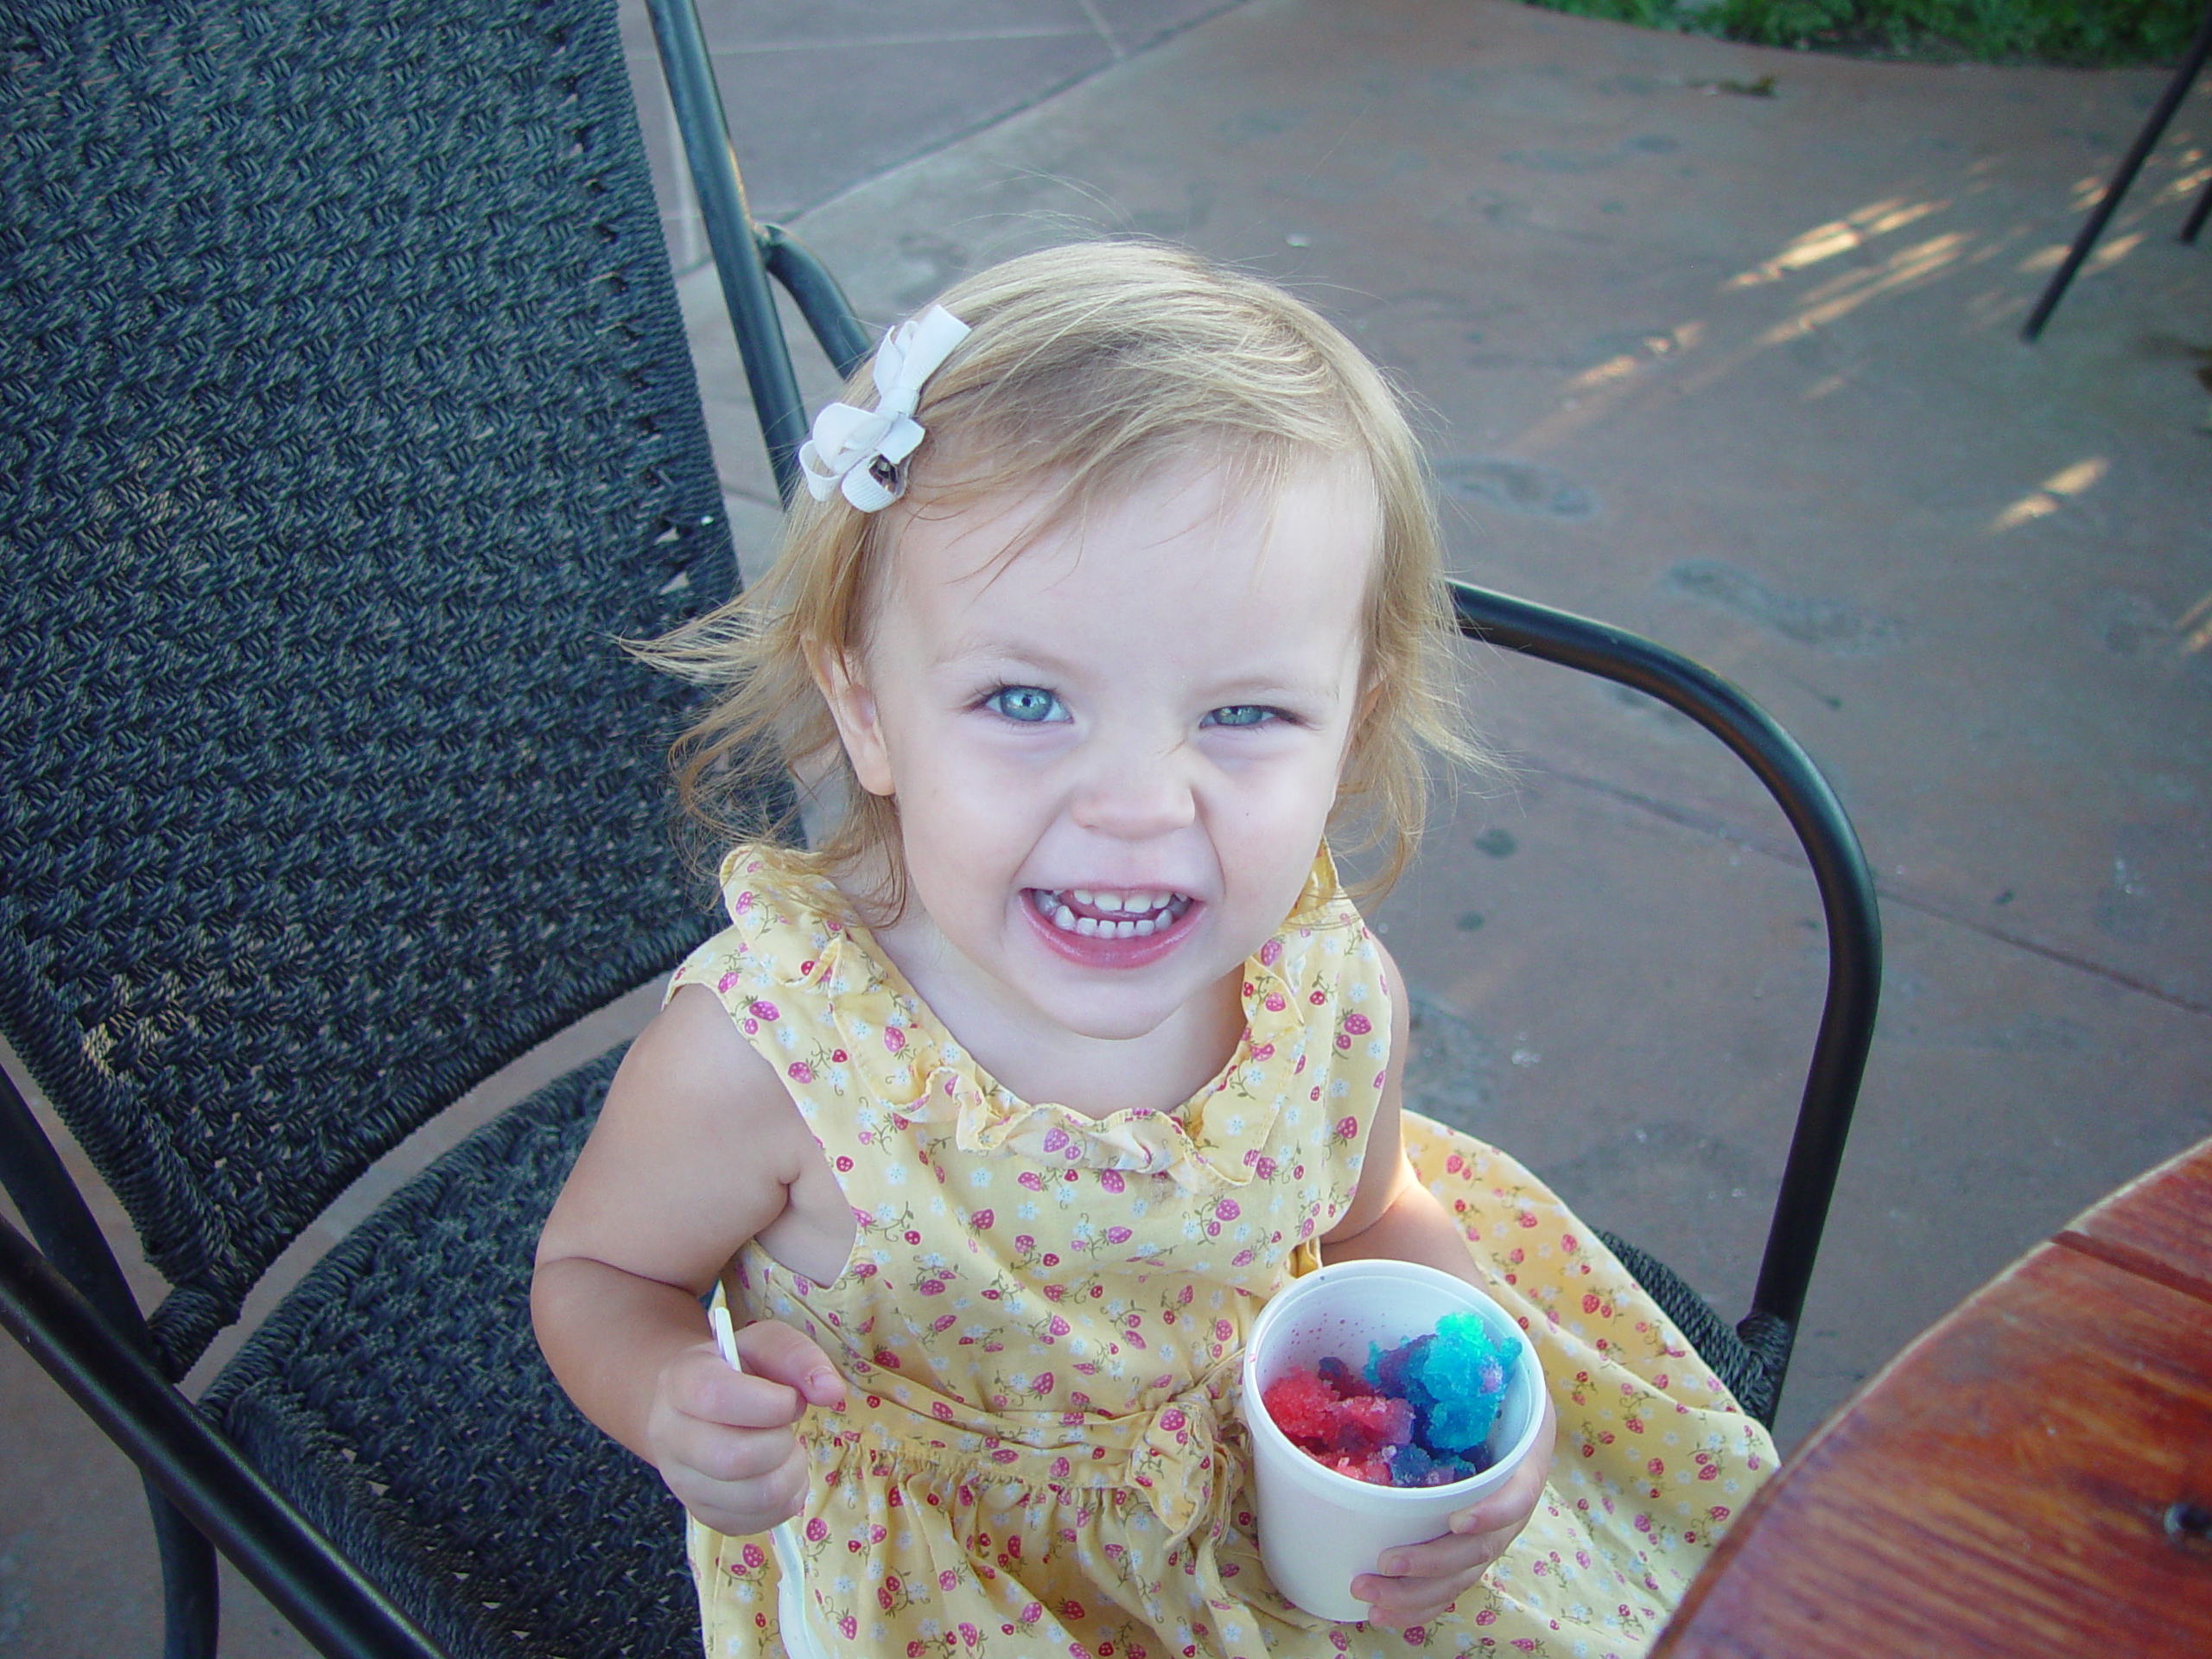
(1177, 1456)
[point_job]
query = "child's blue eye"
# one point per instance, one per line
(1239, 714)
(1031, 704)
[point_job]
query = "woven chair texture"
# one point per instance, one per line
(348, 422)
(400, 1395)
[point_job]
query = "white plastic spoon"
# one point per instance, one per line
(800, 1639)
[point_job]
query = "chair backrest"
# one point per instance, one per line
(348, 422)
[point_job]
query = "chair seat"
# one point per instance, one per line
(397, 1397)
(1736, 1355)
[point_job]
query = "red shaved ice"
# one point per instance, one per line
(1368, 1423)
(1374, 1469)
(1301, 1403)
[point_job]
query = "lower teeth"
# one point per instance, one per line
(1055, 910)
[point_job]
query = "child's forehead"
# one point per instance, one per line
(1193, 517)
(1191, 576)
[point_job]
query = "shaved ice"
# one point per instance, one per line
(1417, 1415)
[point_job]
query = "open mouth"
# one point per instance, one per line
(1093, 914)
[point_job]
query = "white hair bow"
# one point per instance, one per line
(858, 450)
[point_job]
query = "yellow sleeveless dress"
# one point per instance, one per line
(1043, 1315)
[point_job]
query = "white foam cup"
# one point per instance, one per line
(1320, 1530)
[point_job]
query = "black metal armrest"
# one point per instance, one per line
(1846, 899)
(116, 1384)
(821, 301)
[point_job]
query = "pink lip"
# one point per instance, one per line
(1094, 952)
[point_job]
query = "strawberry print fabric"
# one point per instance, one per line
(1042, 1318)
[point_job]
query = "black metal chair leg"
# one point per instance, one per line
(2177, 89)
(2196, 221)
(323, 1595)
(55, 1213)
(190, 1594)
(829, 314)
(746, 254)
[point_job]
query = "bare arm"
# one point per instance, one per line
(1392, 1215)
(696, 1151)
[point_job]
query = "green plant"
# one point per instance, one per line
(2048, 31)
(2081, 32)
(1652, 14)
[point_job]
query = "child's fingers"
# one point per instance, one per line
(1487, 1547)
(699, 1385)
(746, 1504)
(735, 1455)
(1399, 1602)
(1508, 1509)
(1442, 1558)
(1412, 1582)
(773, 1349)
(723, 1441)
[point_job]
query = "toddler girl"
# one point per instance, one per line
(999, 1116)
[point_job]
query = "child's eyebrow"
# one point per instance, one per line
(1239, 683)
(976, 649)
(1267, 689)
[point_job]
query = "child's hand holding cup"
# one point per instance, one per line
(1320, 1530)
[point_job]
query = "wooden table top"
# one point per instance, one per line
(2031, 1477)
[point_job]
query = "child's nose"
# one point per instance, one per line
(1132, 797)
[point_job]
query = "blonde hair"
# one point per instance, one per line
(1089, 370)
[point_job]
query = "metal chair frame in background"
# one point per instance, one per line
(1848, 906)
(1754, 1355)
(2192, 60)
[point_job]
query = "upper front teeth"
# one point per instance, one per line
(1135, 903)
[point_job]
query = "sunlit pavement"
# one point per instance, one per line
(1717, 343)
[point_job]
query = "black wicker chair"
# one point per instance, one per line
(348, 420)
(1753, 1356)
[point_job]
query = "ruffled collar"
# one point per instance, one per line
(913, 1067)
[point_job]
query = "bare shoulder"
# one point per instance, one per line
(695, 1152)
(691, 1081)
(692, 1049)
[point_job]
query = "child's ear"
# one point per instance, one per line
(852, 705)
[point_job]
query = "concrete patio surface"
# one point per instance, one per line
(1715, 342)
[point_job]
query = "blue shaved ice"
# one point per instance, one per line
(1455, 1382)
